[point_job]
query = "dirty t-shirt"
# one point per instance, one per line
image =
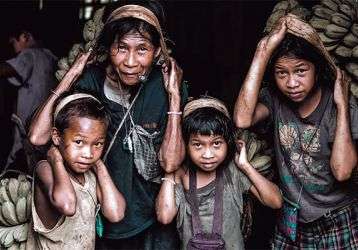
(75, 232)
(303, 149)
(150, 112)
(235, 184)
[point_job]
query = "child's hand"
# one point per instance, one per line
(172, 79)
(98, 164)
(54, 155)
(241, 156)
(269, 43)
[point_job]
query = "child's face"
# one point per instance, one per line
(294, 77)
(81, 144)
(207, 152)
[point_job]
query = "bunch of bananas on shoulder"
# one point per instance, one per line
(15, 212)
(258, 153)
(91, 31)
(336, 21)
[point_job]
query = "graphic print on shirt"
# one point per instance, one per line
(300, 147)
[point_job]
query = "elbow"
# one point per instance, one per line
(169, 166)
(342, 175)
(276, 203)
(36, 140)
(116, 216)
(67, 208)
(164, 218)
(242, 123)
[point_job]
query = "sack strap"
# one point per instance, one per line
(121, 124)
(218, 203)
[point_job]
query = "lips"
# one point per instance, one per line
(295, 95)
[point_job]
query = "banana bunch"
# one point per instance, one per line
(14, 237)
(15, 200)
(336, 21)
(284, 7)
(258, 153)
(91, 30)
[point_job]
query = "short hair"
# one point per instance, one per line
(83, 107)
(209, 121)
(297, 47)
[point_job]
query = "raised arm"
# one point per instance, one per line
(247, 110)
(172, 150)
(40, 128)
(344, 154)
(56, 182)
(166, 208)
(264, 190)
(112, 202)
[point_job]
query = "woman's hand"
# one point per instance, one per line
(172, 79)
(241, 156)
(54, 155)
(270, 42)
(80, 63)
(341, 89)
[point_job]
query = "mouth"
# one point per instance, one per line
(84, 165)
(295, 95)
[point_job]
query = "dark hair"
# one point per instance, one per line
(210, 121)
(32, 25)
(84, 107)
(297, 47)
(123, 26)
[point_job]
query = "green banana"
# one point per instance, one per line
(24, 188)
(350, 40)
(347, 10)
(343, 51)
(260, 161)
(9, 213)
(251, 149)
(20, 232)
(21, 210)
(330, 5)
(12, 188)
(3, 222)
(22, 177)
(322, 12)
(341, 20)
(319, 23)
(28, 205)
(3, 195)
(335, 32)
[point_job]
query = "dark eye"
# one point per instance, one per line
(301, 71)
(218, 143)
(196, 145)
(99, 144)
(79, 142)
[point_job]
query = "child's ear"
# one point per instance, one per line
(56, 138)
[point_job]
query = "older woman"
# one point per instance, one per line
(144, 101)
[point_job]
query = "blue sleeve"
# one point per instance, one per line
(23, 65)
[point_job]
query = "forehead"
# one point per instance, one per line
(88, 126)
(205, 138)
(291, 61)
(136, 37)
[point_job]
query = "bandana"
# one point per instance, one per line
(69, 99)
(205, 102)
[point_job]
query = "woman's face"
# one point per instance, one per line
(207, 152)
(132, 56)
(294, 77)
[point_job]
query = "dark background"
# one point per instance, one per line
(215, 42)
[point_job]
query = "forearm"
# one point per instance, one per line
(165, 204)
(6, 71)
(172, 150)
(63, 195)
(40, 128)
(344, 155)
(267, 192)
(113, 204)
(248, 96)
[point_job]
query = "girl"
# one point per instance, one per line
(193, 193)
(142, 99)
(73, 180)
(315, 124)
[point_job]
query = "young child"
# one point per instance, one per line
(73, 180)
(208, 135)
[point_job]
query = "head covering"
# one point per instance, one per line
(142, 13)
(205, 102)
(300, 28)
(69, 99)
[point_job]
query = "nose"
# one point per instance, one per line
(130, 60)
(208, 154)
(292, 82)
(87, 153)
